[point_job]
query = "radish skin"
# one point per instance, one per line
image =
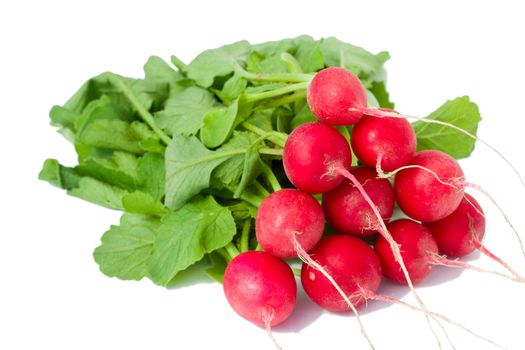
(331, 94)
(348, 212)
(260, 288)
(417, 245)
(389, 141)
(310, 154)
(285, 213)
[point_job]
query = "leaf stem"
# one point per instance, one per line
(297, 96)
(275, 77)
(279, 138)
(271, 151)
(261, 188)
(296, 271)
(245, 235)
(232, 250)
(121, 84)
(250, 98)
(270, 177)
(251, 198)
(224, 254)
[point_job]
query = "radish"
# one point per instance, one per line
(417, 247)
(315, 159)
(348, 212)
(461, 232)
(285, 213)
(311, 154)
(386, 142)
(430, 187)
(353, 265)
(260, 287)
(331, 94)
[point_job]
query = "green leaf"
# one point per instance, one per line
(378, 89)
(185, 112)
(251, 169)
(273, 64)
(310, 56)
(157, 69)
(353, 58)
(187, 234)
(232, 89)
(216, 62)
(188, 168)
(304, 115)
(98, 192)
(228, 174)
(119, 169)
(106, 107)
(218, 124)
(151, 173)
(86, 188)
(218, 266)
(142, 203)
(460, 112)
(113, 134)
(59, 175)
(89, 91)
(126, 249)
(272, 47)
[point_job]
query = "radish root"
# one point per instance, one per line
(439, 260)
(267, 325)
(515, 276)
(305, 257)
(393, 245)
(505, 216)
(387, 299)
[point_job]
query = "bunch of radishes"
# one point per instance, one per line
(341, 271)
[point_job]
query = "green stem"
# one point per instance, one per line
(297, 96)
(245, 235)
(258, 247)
(121, 84)
(232, 250)
(261, 188)
(271, 151)
(270, 176)
(296, 271)
(251, 198)
(224, 254)
(250, 98)
(276, 137)
(275, 77)
(343, 130)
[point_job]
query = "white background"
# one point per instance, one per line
(52, 295)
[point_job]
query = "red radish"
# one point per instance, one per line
(311, 153)
(393, 140)
(353, 265)
(456, 235)
(461, 233)
(348, 212)
(260, 287)
(430, 187)
(417, 249)
(320, 166)
(285, 213)
(331, 94)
